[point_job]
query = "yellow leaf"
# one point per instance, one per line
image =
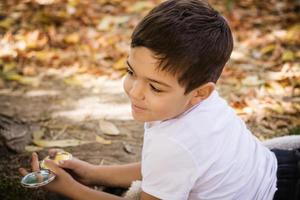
(121, 19)
(22, 79)
(108, 128)
(252, 81)
(73, 3)
(59, 143)
(276, 108)
(140, 6)
(72, 38)
(2, 84)
(276, 88)
(293, 34)
(120, 64)
(45, 2)
(43, 55)
(105, 24)
(268, 49)
(12, 76)
(9, 67)
(72, 81)
(288, 55)
(6, 23)
(297, 54)
(38, 134)
(31, 148)
(102, 140)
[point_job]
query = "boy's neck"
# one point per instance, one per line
(188, 109)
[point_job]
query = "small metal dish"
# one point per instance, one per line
(44, 176)
(38, 178)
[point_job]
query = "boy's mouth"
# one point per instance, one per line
(137, 108)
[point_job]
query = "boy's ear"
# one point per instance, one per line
(202, 92)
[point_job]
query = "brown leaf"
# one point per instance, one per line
(108, 128)
(127, 148)
(29, 71)
(252, 81)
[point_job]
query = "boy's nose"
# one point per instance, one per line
(137, 91)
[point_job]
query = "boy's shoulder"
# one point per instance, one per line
(201, 121)
(208, 112)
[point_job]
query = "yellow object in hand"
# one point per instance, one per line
(63, 155)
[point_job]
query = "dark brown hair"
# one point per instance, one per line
(189, 38)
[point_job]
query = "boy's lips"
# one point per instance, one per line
(137, 108)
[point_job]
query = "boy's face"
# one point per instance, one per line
(155, 95)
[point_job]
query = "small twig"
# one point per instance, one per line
(63, 130)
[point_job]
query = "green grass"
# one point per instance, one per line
(294, 131)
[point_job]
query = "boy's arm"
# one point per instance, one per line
(82, 192)
(117, 175)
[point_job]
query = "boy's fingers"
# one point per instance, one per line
(52, 152)
(35, 162)
(69, 164)
(52, 166)
(23, 171)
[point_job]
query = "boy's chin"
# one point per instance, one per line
(141, 118)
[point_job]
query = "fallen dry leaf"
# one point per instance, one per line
(102, 140)
(108, 128)
(59, 143)
(37, 135)
(31, 148)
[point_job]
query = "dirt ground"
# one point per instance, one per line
(62, 104)
(68, 111)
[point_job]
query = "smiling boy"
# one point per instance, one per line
(155, 95)
(195, 146)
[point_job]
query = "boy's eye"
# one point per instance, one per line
(154, 88)
(129, 72)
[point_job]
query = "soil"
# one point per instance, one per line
(68, 111)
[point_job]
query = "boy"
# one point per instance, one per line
(195, 147)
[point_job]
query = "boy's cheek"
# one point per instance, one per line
(126, 85)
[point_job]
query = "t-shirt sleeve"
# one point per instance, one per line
(168, 170)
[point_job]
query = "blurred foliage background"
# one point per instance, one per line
(79, 41)
(92, 37)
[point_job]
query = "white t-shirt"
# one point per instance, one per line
(206, 153)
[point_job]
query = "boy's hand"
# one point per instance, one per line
(80, 170)
(63, 182)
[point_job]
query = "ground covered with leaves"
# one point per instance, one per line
(61, 64)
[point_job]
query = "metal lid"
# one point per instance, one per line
(38, 178)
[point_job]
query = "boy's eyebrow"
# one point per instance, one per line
(149, 79)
